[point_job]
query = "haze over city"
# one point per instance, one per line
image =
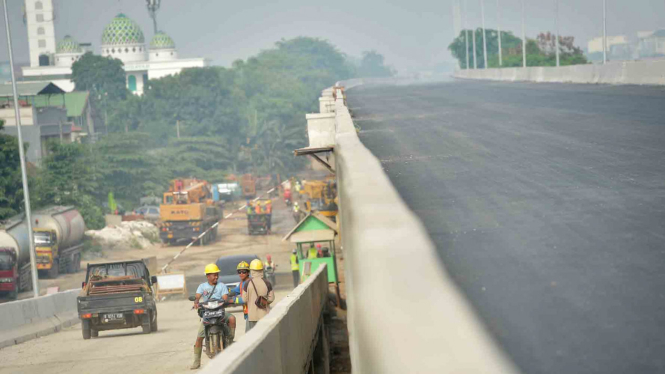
(411, 35)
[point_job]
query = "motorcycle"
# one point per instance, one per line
(212, 315)
(270, 275)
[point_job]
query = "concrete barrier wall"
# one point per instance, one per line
(405, 315)
(626, 72)
(281, 342)
(24, 320)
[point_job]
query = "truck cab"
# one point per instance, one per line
(8, 273)
(46, 246)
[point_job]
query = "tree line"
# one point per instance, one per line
(539, 52)
(204, 122)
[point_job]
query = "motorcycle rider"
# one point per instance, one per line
(211, 290)
(269, 269)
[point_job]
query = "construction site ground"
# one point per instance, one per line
(170, 349)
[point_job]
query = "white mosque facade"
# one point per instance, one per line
(122, 38)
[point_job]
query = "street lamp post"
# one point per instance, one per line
(498, 15)
(604, 32)
(24, 174)
(466, 37)
(556, 37)
(153, 7)
(523, 38)
(482, 12)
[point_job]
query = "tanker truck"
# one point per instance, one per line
(14, 258)
(58, 240)
(58, 233)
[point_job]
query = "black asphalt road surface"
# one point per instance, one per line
(547, 206)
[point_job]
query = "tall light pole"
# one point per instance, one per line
(523, 38)
(24, 174)
(153, 7)
(604, 32)
(466, 37)
(556, 37)
(482, 12)
(498, 16)
(475, 65)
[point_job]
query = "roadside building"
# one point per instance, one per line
(47, 113)
(651, 44)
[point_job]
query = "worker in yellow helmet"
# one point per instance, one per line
(257, 294)
(212, 290)
(236, 293)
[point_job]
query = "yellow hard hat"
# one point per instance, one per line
(211, 269)
(243, 266)
(256, 264)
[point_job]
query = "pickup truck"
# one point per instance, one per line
(117, 295)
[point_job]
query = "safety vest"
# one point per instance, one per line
(312, 253)
(294, 262)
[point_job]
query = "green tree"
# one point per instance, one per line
(11, 187)
(373, 65)
(70, 179)
(104, 78)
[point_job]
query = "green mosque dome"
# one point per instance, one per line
(122, 31)
(162, 41)
(68, 45)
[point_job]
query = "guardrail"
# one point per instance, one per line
(647, 72)
(290, 339)
(32, 318)
(405, 315)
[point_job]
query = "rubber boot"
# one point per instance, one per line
(197, 358)
(231, 336)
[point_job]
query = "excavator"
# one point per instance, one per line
(187, 210)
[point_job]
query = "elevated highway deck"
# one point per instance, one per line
(546, 203)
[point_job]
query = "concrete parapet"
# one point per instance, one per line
(321, 129)
(650, 72)
(32, 318)
(383, 242)
(282, 342)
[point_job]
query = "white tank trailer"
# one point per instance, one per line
(65, 227)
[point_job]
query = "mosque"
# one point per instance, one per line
(122, 38)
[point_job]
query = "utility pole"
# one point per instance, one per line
(475, 65)
(498, 15)
(482, 12)
(556, 37)
(466, 37)
(604, 32)
(153, 7)
(523, 38)
(24, 174)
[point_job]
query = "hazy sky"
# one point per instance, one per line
(412, 34)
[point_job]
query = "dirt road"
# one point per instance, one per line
(170, 349)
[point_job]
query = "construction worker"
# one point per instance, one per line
(295, 268)
(257, 289)
(210, 290)
(312, 252)
(243, 273)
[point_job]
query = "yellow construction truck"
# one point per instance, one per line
(321, 196)
(188, 210)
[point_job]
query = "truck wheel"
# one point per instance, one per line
(94, 333)
(153, 325)
(54, 271)
(71, 265)
(145, 325)
(85, 328)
